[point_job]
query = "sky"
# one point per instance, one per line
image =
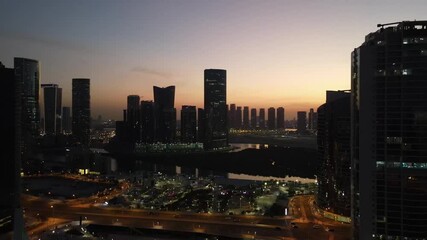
(277, 53)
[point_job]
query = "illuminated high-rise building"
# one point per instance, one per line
(188, 124)
(81, 111)
(389, 129)
(333, 143)
(52, 109)
(27, 74)
(215, 101)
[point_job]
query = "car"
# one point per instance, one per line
(293, 223)
(294, 226)
(278, 228)
(316, 226)
(329, 229)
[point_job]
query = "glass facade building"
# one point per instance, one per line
(389, 133)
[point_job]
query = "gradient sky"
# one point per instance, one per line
(276, 53)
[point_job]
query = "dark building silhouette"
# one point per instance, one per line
(215, 101)
(302, 122)
(333, 143)
(246, 117)
(66, 120)
(52, 109)
(315, 121)
(253, 118)
(239, 118)
(271, 122)
(148, 122)
(10, 158)
(261, 120)
(133, 118)
(310, 119)
(232, 116)
(164, 102)
(81, 110)
(201, 121)
(280, 118)
(27, 74)
(188, 124)
(389, 129)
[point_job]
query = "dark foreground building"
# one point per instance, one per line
(333, 143)
(188, 124)
(165, 112)
(81, 111)
(389, 129)
(216, 131)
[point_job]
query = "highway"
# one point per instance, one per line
(56, 212)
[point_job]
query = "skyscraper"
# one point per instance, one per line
(253, 118)
(216, 132)
(238, 120)
(232, 116)
(261, 120)
(310, 119)
(66, 120)
(188, 124)
(246, 117)
(389, 119)
(148, 122)
(81, 110)
(201, 121)
(133, 118)
(9, 155)
(280, 118)
(165, 112)
(271, 123)
(333, 143)
(52, 109)
(27, 74)
(302, 121)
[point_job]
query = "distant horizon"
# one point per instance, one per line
(274, 57)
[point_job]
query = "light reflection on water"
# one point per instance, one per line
(264, 178)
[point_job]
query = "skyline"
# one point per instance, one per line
(128, 48)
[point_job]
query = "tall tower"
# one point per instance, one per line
(52, 109)
(333, 143)
(389, 129)
(232, 116)
(261, 120)
(66, 120)
(302, 121)
(253, 118)
(238, 120)
(27, 74)
(188, 124)
(280, 118)
(216, 132)
(148, 122)
(81, 110)
(133, 118)
(271, 118)
(246, 117)
(164, 102)
(311, 119)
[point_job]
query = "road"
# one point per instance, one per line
(241, 226)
